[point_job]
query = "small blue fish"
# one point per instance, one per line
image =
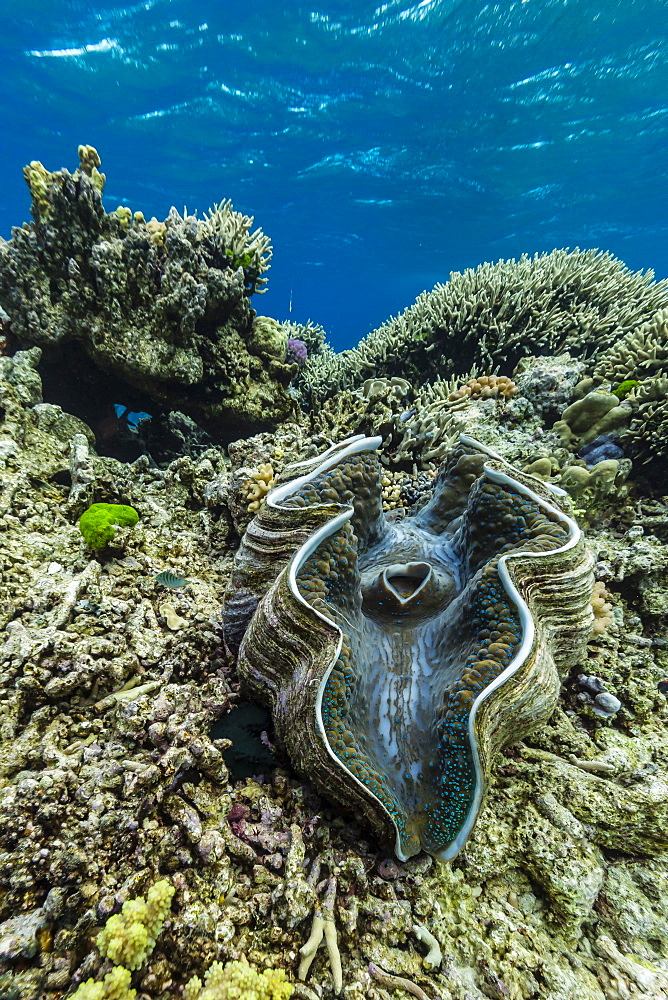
(171, 580)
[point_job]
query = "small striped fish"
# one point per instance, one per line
(171, 580)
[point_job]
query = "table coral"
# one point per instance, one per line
(497, 314)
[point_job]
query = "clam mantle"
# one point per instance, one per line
(399, 653)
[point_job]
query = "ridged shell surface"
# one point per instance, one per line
(398, 654)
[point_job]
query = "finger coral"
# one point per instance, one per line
(114, 986)
(601, 603)
(238, 981)
(485, 387)
(262, 480)
(129, 937)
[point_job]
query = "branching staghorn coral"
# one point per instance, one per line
(648, 433)
(498, 313)
(641, 354)
(418, 432)
(231, 229)
(312, 334)
(639, 362)
(324, 927)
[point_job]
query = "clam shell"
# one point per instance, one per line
(399, 655)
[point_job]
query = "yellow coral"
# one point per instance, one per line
(158, 231)
(391, 483)
(261, 482)
(129, 937)
(38, 179)
(114, 986)
(601, 602)
(89, 161)
(124, 215)
(238, 981)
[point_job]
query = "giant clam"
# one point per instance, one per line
(398, 654)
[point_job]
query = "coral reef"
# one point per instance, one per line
(129, 937)
(636, 367)
(485, 387)
(261, 482)
(157, 315)
(112, 777)
(114, 986)
(602, 607)
(581, 300)
(591, 416)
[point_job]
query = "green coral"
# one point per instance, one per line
(129, 937)
(625, 387)
(97, 523)
(38, 178)
(114, 986)
(238, 981)
(89, 161)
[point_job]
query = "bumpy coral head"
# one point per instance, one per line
(399, 654)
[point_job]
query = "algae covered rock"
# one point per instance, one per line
(158, 313)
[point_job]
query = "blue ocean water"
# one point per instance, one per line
(380, 145)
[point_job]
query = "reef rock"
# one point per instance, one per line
(156, 315)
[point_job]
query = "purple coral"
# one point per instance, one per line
(296, 350)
